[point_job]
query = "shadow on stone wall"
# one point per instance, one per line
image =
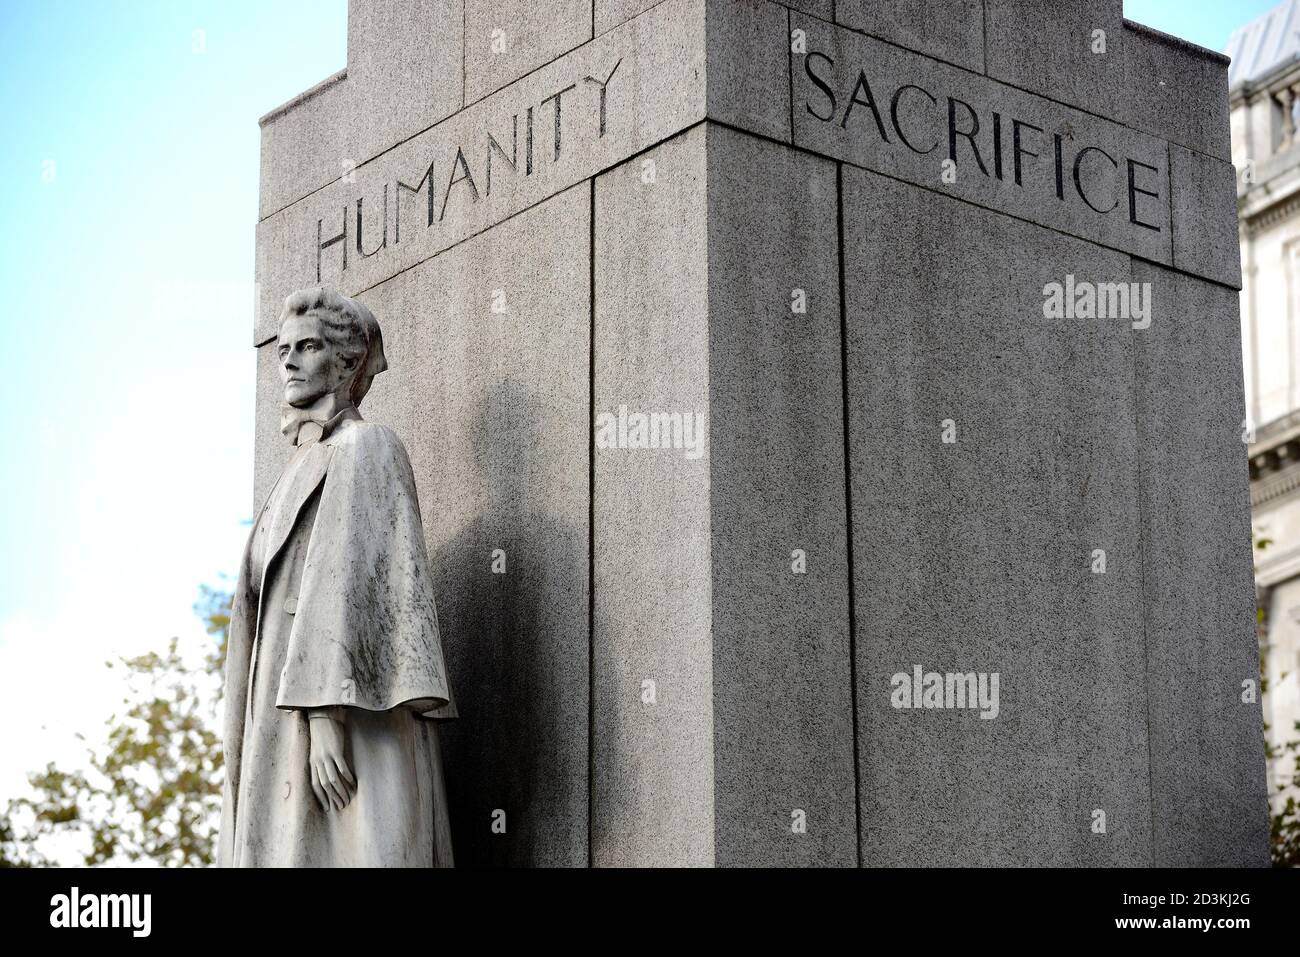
(517, 651)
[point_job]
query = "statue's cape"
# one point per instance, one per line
(365, 632)
(364, 629)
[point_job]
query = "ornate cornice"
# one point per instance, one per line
(1274, 567)
(1273, 433)
(1282, 76)
(1275, 459)
(1272, 215)
(1275, 486)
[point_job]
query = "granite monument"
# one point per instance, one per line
(827, 417)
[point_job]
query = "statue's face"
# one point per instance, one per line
(309, 365)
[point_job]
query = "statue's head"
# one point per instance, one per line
(328, 344)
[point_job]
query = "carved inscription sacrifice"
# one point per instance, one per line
(960, 133)
(994, 145)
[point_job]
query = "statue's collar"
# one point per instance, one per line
(304, 426)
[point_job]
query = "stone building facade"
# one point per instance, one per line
(1265, 102)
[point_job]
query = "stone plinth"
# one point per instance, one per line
(819, 240)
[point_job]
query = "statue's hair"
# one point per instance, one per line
(349, 327)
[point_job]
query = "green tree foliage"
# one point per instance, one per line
(1284, 824)
(1285, 832)
(153, 792)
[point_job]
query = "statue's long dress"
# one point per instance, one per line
(398, 815)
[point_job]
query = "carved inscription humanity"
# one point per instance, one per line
(466, 172)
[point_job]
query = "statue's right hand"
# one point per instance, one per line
(331, 778)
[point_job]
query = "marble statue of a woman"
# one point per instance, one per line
(334, 669)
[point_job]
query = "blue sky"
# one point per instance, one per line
(1207, 22)
(128, 405)
(128, 196)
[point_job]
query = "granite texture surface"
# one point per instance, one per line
(1207, 767)
(782, 701)
(948, 30)
(615, 214)
(976, 555)
(653, 722)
